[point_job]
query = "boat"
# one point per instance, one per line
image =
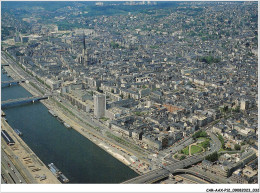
(67, 125)
(58, 173)
(52, 113)
(64, 178)
(54, 169)
(18, 132)
(59, 119)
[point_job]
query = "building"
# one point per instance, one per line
(77, 100)
(99, 105)
(152, 142)
(53, 84)
(244, 105)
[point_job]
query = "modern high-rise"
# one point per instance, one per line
(99, 105)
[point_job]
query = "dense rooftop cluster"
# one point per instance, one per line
(165, 72)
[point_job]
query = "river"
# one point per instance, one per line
(78, 158)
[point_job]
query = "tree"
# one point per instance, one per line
(221, 139)
(236, 109)
(228, 149)
(196, 135)
(199, 134)
(138, 113)
(209, 59)
(182, 157)
(205, 144)
(225, 109)
(212, 157)
(237, 147)
(114, 45)
(203, 134)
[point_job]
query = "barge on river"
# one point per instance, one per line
(58, 173)
(18, 132)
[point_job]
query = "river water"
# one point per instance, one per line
(77, 157)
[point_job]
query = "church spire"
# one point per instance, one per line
(84, 43)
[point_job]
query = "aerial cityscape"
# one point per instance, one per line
(129, 92)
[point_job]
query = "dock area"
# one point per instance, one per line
(25, 160)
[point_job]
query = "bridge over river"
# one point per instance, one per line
(162, 173)
(19, 101)
(11, 82)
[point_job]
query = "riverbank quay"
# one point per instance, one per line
(33, 170)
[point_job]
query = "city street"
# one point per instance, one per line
(10, 169)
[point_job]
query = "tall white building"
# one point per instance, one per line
(99, 105)
(244, 105)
